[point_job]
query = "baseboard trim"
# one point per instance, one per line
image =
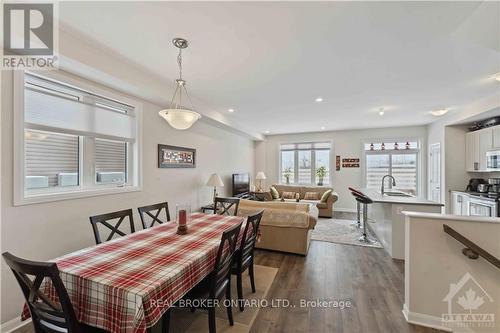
(431, 322)
(424, 320)
(14, 324)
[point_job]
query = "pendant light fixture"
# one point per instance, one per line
(177, 115)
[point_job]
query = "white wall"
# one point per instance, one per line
(346, 144)
(434, 256)
(456, 177)
(45, 231)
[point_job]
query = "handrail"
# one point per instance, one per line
(472, 250)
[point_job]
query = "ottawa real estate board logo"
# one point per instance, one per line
(469, 305)
(29, 36)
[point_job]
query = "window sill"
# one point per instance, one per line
(83, 193)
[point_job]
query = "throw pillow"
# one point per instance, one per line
(311, 196)
(325, 196)
(274, 192)
(288, 195)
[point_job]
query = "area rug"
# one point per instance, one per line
(342, 232)
(183, 321)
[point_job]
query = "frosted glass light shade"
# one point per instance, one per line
(215, 181)
(260, 175)
(180, 119)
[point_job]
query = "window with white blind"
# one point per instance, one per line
(399, 159)
(300, 162)
(110, 161)
(75, 141)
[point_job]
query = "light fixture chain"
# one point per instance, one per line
(179, 61)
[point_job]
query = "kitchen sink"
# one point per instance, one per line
(397, 194)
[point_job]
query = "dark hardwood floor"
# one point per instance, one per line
(368, 277)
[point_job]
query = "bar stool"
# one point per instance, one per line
(365, 201)
(358, 208)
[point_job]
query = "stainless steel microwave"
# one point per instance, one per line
(493, 160)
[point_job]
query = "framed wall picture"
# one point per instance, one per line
(176, 157)
(350, 162)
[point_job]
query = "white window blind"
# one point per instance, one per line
(51, 111)
(51, 159)
(110, 161)
(76, 142)
(399, 160)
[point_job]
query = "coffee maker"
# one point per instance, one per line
(474, 183)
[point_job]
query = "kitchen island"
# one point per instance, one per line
(386, 220)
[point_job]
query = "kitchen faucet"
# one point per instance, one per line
(383, 181)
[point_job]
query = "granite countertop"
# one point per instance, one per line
(376, 196)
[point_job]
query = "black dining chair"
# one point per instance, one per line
(244, 256)
(105, 220)
(148, 211)
(218, 282)
(226, 206)
(47, 316)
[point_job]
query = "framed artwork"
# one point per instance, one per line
(350, 162)
(176, 157)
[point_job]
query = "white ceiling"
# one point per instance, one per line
(270, 60)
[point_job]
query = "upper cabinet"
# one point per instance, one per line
(472, 151)
(477, 143)
(496, 137)
(485, 144)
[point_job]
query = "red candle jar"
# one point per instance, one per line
(182, 217)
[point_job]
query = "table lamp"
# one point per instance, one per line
(260, 177)
(215, 181)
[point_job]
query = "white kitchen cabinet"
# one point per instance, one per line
(496, 137)
(472, 151)
(485, 144)
(477, 143)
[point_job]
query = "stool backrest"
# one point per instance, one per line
(362, 198)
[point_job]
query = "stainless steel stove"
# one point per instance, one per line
(484, 204)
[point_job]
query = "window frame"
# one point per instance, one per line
(87, 186)
(390, 152)
(313, 162)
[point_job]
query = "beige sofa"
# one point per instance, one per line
(285, 226)
(325, 208)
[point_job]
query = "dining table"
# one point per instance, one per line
(127, 284)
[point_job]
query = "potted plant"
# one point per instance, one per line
(287, 173)
(321, 173)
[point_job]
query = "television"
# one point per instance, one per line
(241, 184)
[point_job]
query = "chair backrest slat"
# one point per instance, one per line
(150, 210)
(47, 315)
(227, 206)
(224, 259)
(249, 237)
(105, 219)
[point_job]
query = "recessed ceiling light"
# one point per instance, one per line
(497, 77)
(268, 131)
(322, 127)
(230, 110)
(319, 99)
(381, 113)
(439, 113)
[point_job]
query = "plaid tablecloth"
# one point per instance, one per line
(125, 285)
